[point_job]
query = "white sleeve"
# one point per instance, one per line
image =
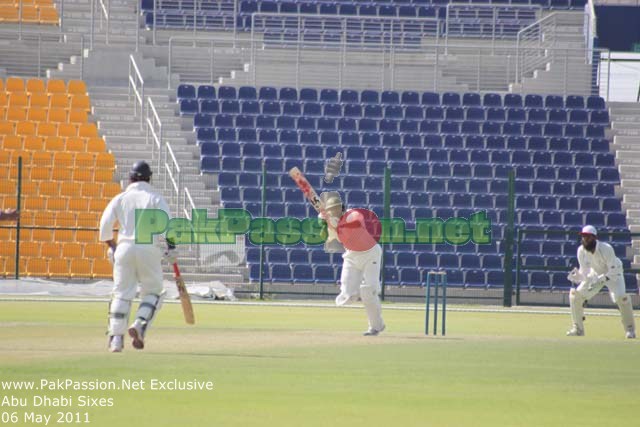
(581, 263)
(108, 220)
(614, 265)
(162, 205)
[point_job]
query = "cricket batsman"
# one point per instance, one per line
(598, 267)
(355, 230)
(133, 263)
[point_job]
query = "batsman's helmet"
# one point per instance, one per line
(140, 171)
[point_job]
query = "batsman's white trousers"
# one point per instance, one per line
(361, 276)
(137, 264)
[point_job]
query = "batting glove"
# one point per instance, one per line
(332, 168)
(575, 276)
(170, 255)
(111, 255)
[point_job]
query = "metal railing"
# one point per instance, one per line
(136, 88)
(105, 18)
(201, 20)
(33, 53)
(172, 177)
(154, 134)
(213, 58)
(488, 21)
(300, 28)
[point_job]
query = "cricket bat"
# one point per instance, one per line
(185, 300)
(309, 193)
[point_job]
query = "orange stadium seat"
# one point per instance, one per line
(36, 267)
(34, 143)
(78, 204)
(42, 235)
(7, 249)
(4, 99)
(12, 142)
(1, 85)
(9, 14)
(95, 250)
(56, 86)
(87, 236)
(47, 129)
(102, 269)
(3, 112)
(58, 268)
(72, 250)
(49, 15)
(41, 158)
(95, 145)
(56, 204)
(16, 114)
(88, 219)
(30, 14)
(77, 87)
(35, 86)
(91, 189)
(97, 205)
(39, 100)
(88, 130)
(80, 267)
(7, 128)
(37, 114)
(59, 100)
(49, 188)
(40, 174)
(105, 161)
(78, 116)
(58, 115)
(65, 219)
(83, 174)
(18, 99)
(26, 128)
(64, 236)
(50, 250)
(67, 130)
(111, 189)
(103, 175)
(81, 102)
(75, 144)
(34, 203)
(29, 249)
(70, 189)
(62, 159)
(85, 160)
(54, 143)
(14, 84)
(30, 188)
(61, 174)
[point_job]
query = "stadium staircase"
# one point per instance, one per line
(625, 124)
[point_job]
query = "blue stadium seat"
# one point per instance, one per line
(186, 91)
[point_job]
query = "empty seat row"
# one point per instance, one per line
(50, 86)
(268, 93)
(449, 127)
(433, 155)
(471, 142)
(396, 112)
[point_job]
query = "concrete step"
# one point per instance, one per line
(624, 125)
(141, 146)
(102, 124)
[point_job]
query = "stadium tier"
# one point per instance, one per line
(67, 179)
(222, 14)
(449, 154)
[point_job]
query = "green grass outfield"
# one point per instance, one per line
(306, 366)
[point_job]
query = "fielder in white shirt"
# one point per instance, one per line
(599, 267)
(133, 263)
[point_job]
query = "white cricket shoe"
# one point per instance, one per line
(116, 343)
(575, 332)
(136, 332)
(373, 332)
(630, 335)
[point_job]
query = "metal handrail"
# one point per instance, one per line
(135, 80)
(40, 37)
(154, 127)
(105, 12)
(173, 175)
(638, 97)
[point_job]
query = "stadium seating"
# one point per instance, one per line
(67, 178)
(39, 12)
(450, 155)
(176, 14)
